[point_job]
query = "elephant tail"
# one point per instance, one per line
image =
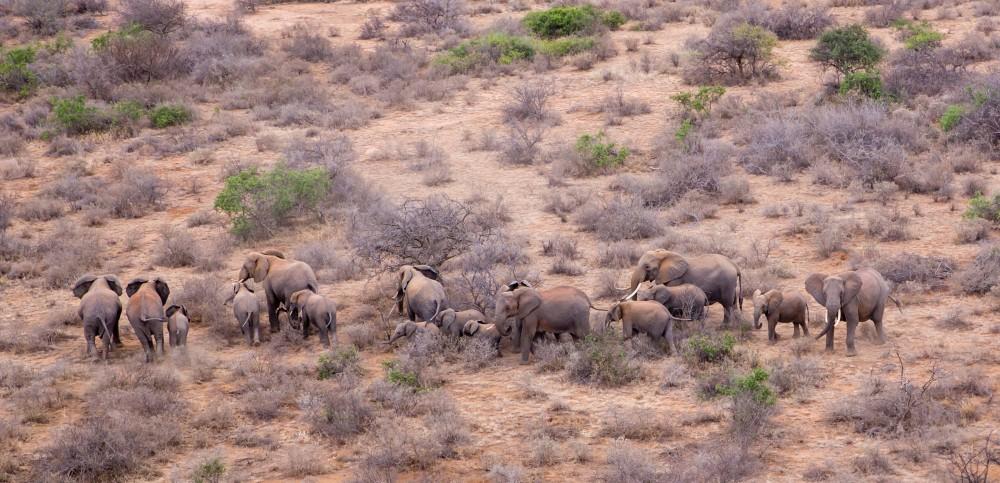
(437, 310)
(246, 320)
(329, 320)
(898, 305)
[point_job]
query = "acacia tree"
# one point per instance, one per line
(734, 52)
(847, 50)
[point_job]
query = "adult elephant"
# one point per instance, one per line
(280, 277)
(716, 275)
(556, 310)
(853, 296)
(99, 310)
(419, 294)
(145, 312)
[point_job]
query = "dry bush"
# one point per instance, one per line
(831, 239)
(693, 207)
(176, 248)
(796, 375)
(930, 271)
(886, 13)
(777, 145)
(792, 21)
(44, 17)
(135, 194)
(617, 106)
(203, 297)
(983, 273)
(521, 146)
(566, 266)
(735, 189)
(39, 209)
(979, 125)
(304, 460)
(560, 246)
(734, 52)
(954, 319)
(304, 42)
(337, 414)
(69, 252)
(627, 463)
(326, 261)
(601, 360)
(635, 423)
(160, 16)
(619, 218)
(529, 102)
(441, 17)
(619, 254)
(17, 168)
(699, 170)
(922, 72)
(971, 231)
(563, 203)
(872, 462)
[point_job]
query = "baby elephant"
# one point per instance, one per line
(246, 309)
(482, 330)
(177, 325)
(451, 322)
(684, 300)
(644, 316)
(780, 306)
(312, 308)
(408, 328)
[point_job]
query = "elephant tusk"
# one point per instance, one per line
(633, 293)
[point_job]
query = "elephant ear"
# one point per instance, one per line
(134, 285)
(114, 283)
(471, 327)
(162, 289)
(428, 271)
(852, 286)
(672, 268)
(527, 301)
(261, 266)
(774, 298)
(448, 318)
(616, 312)
(410, 328)
(405, 276)
(82, 286)
(273, 253)
(814, 285)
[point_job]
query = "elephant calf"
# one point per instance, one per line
(644, 316)
(145, 312)
(685, 300)
(99, 310)
(408, 328)
(451, 322)
(481, 330)
(778, 306)
(312, 308)
(246, 309)
(177, 325)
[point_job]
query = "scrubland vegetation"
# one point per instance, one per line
(550, 143)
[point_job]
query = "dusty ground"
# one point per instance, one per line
(490, 399)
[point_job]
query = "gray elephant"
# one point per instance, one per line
(451, 322)
(778, 306)
(854, 296)
(481, 330)
(419, 294)
(246, 309)
(716, 275)
(644, 316)
(100, 309)
(557, 310)
(312, 308)
(177, 325)
(281, 278)
(145, 312)
(685, 300)
(409, 328)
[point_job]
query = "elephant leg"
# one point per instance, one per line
(108, 344)
(117, 338)
(158, 334)
(852, 325)
(727, 315)
(305, 326)
(515, 337)
(804, 322)
(829, 337)
(89, 333)
(877, 319)
(142, 333)
(272, 310)
(527, 336)
(670, 337)
(796, 333)
(254, 339)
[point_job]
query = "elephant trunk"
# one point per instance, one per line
(244, 275)
(501, 322)
(638, 276)
(757, 312)
(832, 316)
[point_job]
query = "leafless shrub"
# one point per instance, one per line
(521, 145)
(930, 271)
(693, 207)
(160, 16)
(176, 248)
(304, 460)
(954, 319)
(440, 17)
(700, 170)
(883, 15)
(528, 102)
(794, 21)
(374, 26)
(305, 42)
(560, 246)
(735, 190)
(551, 356)
(872, 462)
(983, 273)
(16, 168)
(972, 462)
(69, 252)
(11, 144)
(831, 239)
(925, 72)
(336, 414)
(203, 297)
(39, 209)
(134, 195)
(635, 423)
(795, 375)
(628, 463)
(617, 105)
(44, 17)
(619, 254)
(328, 263)
(777, 146)
(506, 473)
(979, 124)
(566, 266)
(618, 218)
(820, 472)
(971, 231)
(725, 56)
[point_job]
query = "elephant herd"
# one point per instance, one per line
(665, 287)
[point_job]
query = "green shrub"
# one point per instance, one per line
(754, 384)
(341, 361)
(918, 36)
(258, 203)
(702, 348)
(684, 130)
(169, 115)
(15, 76)
(570, 20)
(210, 471)
(564, 47)
(73, 116)
(951, 117)
(847, 49)
(130, 110)
(599, 153)
(396, 375)
(602, 360)
(504, 49)
(983, 207)
(699, 103)
(864, 83)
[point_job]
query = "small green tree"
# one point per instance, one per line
(983, 207)
(847, 49)
(753, 384)
(570, 20)
(15, 76)
(209, 471)
(864, 83)
(598, 153)
(169, 115)
(73, 116)
(699, 104)
(918, 36)
(951, 117)
(258, 203)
